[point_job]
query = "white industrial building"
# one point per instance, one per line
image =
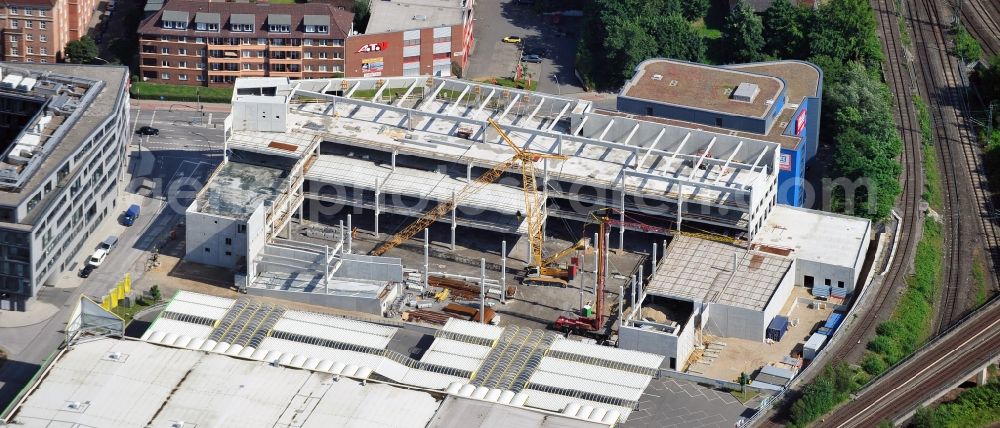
(735, 288)
(64, 130)
(206, 357)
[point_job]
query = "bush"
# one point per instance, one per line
(975, 407)
(154, 91)
(966, 47)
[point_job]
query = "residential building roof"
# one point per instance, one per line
(341, 20)
(402, 15)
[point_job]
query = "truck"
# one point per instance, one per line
(131, 214)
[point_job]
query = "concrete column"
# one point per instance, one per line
(503, 272)
(454, 224)
(378, 204)
(468, 173)
(621, 218)
(983, 376)
(635, 286)
(301, 205)
(482, 290)
(427, 256)
(350, 237)
(653, 267)
(583, 264)
(680, 207)
(545, 194)
(326, 277)
(394, 153)
(343, 243)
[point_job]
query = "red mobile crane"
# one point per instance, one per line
(583, 324)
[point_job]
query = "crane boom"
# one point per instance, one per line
(442, 208)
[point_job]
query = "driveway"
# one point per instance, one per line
(493, 58)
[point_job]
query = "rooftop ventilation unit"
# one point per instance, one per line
(657, 77)
(746, 92)
(673, 83)
(420, 17)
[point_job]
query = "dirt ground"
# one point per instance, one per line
(740, 355)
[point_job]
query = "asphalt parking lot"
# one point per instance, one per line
(491, 57)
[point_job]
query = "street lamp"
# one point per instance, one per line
(558, 87)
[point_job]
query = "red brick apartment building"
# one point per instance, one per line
(213, 43)
(411, 38)
(37, 30)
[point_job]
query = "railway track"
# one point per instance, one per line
(982, 19)
(968, 208)
(900, 82)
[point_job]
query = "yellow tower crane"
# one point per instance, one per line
(526, 161)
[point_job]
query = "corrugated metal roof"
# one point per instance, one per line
(179, 328)
(595, 373)
(474, 329)
(344, 323)
(322, 352)
(204, 299)
(471, 350)
(607, 353)
(556, 403)
(430, 380)
(586, 385)
(331, 333)
(452, 360)
(196, 309)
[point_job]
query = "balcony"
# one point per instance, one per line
(292, 74)
(225, 73)
(284, 48)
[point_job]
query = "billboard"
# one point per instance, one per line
(372, 67)
(785, 162)
(373, 47)
(800, 121)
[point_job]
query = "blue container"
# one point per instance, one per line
(776, 330)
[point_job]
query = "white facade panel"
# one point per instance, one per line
(473, 329)
(411, 51)
(442, 32)
(180, 328)
(442, 47)
(411, 35)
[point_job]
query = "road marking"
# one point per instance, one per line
(912, 378)
(151, 117)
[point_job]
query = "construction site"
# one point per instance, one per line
(424, 199)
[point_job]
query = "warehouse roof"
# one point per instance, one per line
(819, 236)
(703, 87)
(465, 413)
(112, 383)
(707, 271)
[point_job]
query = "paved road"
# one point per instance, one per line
(493, 58)
(181, 157)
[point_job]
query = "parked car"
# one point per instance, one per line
(149, 130)
(98, 257)
(536, 50)
(535, 59)
(131, 214)
(87, 269)
(109, 242)
(512, 39)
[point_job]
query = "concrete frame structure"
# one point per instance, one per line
(782, 105)
(658, 165)
(61, 167)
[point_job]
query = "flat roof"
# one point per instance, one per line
(237, 188)
(112, 383)
(402, 15)
(819, 236)
(775, 134)
(89, 113)
(802, 79)
(701, 270)
(466, 413)
(700, 86)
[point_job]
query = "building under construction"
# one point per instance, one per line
(457, 154)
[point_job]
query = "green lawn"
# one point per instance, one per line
(511, 83)
(154, 91)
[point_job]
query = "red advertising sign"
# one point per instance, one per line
(800, 122)
(373, 47)
(785, 162)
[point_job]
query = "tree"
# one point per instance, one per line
(743, 34)
(694, 9)
(783, 25)
(845, 31)
(361, 13)
(81, 51)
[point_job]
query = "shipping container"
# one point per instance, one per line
(776, 330)
(834, 320)
(813, 345)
